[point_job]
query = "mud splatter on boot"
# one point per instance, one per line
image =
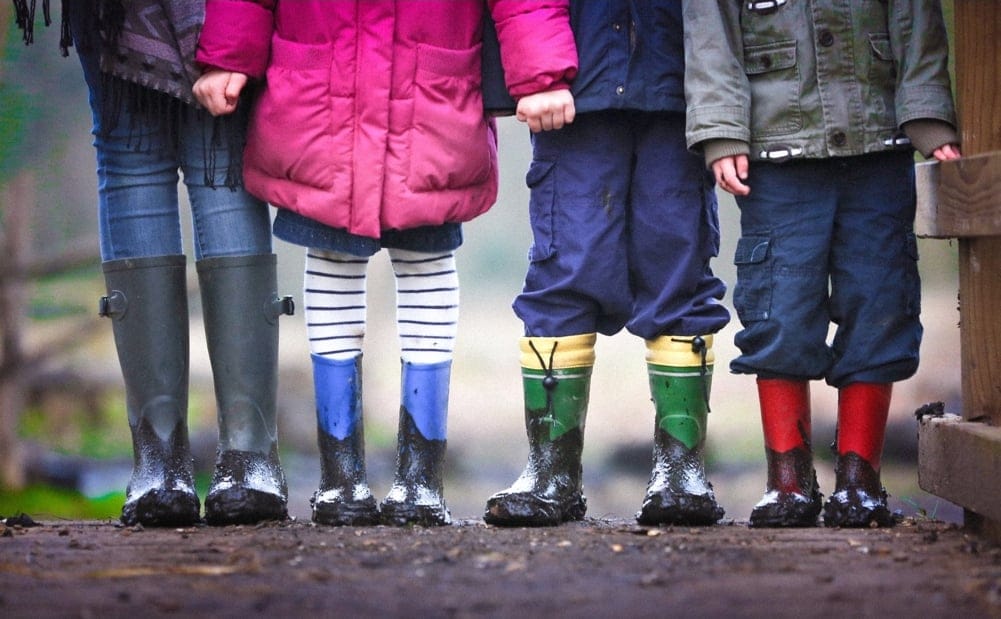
(344, 497)
(679, 492)
(859, 499)
(161, 492)
(793, 497)
(549, 492)
(417, 495)
(247, 487)
(241, 309)
(680, 375)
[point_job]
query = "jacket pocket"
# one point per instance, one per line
(882, 82)
(773, 74)
(752, 296)
(449, 141)
(294, 133)
(540, 209)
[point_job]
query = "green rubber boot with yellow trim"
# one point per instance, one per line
(556, 374)
(680, 370)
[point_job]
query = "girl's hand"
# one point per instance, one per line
(219, 91)
(545, 111)
(730, 173)
(947, 152)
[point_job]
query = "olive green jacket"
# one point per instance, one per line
(814, 78)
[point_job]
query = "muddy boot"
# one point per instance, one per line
(343, 498)
(417, 495)
(556, 376)
(148, 303)
(680, 370)
(792, 497)
(859, 499)
(241, 311)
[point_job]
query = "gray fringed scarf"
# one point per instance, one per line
(147, 51)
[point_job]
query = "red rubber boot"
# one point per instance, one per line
(859, 499)
(792, 498)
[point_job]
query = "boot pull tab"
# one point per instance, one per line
(280, 306)
(112, 305)
(549, 382)
(699, 347)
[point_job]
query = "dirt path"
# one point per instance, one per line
(597, 568)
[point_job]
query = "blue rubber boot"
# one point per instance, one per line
(417, 493)
(343, 498)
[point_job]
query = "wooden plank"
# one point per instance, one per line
(959, 198)
(961, 462)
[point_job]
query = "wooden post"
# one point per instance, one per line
(978, 95)
(960, 459)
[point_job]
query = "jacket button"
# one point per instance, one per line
(616, 27)
(620, 89)
(826, 39)
(839, 138)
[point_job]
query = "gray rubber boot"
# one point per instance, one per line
(241, 310)
(148, 304)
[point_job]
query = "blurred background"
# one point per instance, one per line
(65, 450)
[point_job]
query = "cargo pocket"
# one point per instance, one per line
(752, 296)
(449, 138)
(773, 75)
(540, 209)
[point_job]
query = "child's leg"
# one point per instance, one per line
(875, 300)
(427, 292)
(334, 295)
(781, 298)
(577, 284)
(673, 235)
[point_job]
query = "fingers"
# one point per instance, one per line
(219, 91)
(947, 152)
(730, 172)
(546, 111)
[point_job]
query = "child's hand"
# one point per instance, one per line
(947, 152)
(219, 91)
(545, 111)
(730, 172)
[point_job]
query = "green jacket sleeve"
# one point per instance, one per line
(716, 87)
(919, 42)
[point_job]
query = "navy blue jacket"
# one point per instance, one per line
(631, 54)
(632, 57)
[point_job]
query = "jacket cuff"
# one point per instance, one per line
(719, 148)
(926, 135)
(236, 37)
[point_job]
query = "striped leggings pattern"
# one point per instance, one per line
(427, 304)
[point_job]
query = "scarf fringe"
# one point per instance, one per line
(157, 110)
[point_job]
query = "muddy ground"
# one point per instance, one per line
(597, 568)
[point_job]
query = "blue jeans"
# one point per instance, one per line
(829, 241)
(625, 224)
(137, 172)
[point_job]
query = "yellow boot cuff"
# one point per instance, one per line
(676, 351)
(572, 351)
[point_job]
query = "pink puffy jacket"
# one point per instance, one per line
(371, 113)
